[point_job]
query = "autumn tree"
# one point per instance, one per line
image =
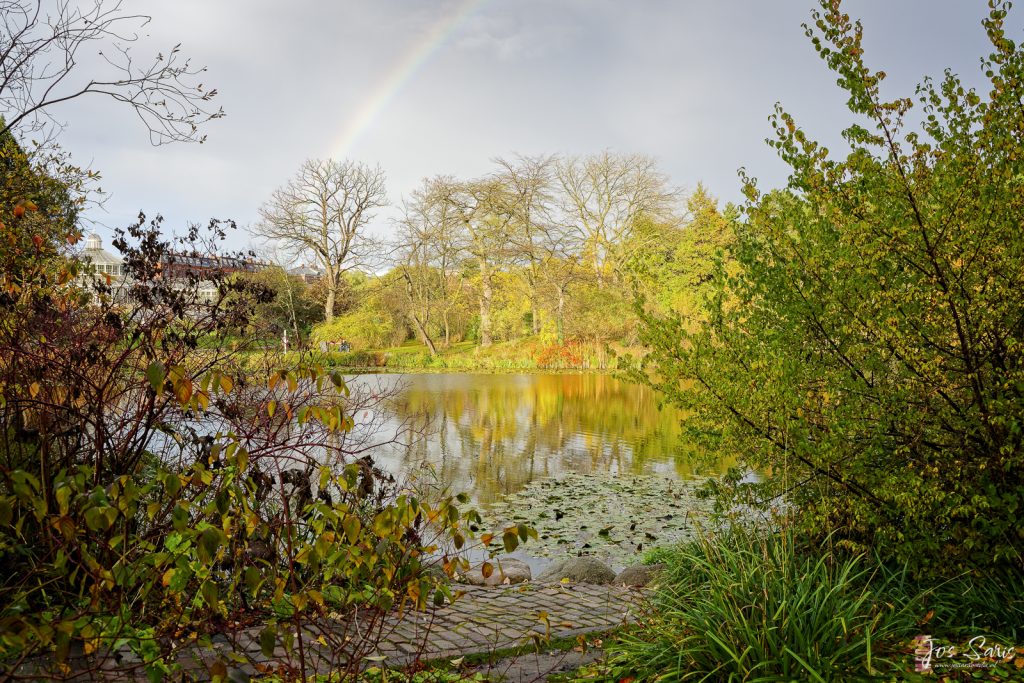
(421, 284)
(675, 264)
(322, 214)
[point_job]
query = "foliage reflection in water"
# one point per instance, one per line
(490, 435)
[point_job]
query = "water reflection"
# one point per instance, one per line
(490, 435)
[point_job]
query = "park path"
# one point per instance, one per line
(481, 621)
(486, 620)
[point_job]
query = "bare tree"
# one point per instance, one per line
(529, 183)
(604, 194)
(42, 45)
(416, 232)
(428, 253)
(322, 213)
(483, 210)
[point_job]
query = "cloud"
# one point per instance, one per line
(691, 83)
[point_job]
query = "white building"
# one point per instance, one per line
(104, 267)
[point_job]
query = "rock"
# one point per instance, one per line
(506, 570)
(579, 569)
(638, 575)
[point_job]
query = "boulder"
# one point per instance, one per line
(638, 575)
(584, 569)
(506, 570)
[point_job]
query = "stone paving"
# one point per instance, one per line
(483, 620)
(489, 619)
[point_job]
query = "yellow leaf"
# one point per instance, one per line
(33, 389)
(168, 575)
(226, 384)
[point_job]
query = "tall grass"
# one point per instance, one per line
(974, 604)
(751, 607)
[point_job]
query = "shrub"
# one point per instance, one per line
(366, 327)
(868, 354)
(153, 495)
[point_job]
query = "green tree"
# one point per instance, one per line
(674, 264)
(866, 356)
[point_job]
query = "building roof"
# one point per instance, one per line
(304, 270)
(96, 254)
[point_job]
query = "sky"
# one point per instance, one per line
(428, 87)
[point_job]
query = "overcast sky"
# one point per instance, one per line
(426, 87)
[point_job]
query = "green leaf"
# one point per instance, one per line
(180, 517)
(155, 374)
(253, 578)
(207, 544)
(210, 593)
(97, 519)
(268, 638)
(352, 526)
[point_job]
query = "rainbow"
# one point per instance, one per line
(400, 74)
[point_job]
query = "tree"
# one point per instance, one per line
(529, 182)
(40, 51)
(322, 213)
(150, 487)
(289, 306)
(602, 197)
(868, 354)
(483, 211)
(428, 253)
(675, 264)
(420, 284)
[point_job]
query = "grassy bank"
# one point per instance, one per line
(522, 355)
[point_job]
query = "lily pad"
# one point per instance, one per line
(611, 517)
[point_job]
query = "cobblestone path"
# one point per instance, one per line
(489, 619)
(481, 621)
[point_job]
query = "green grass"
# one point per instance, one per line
(529, 354)
(749, 607)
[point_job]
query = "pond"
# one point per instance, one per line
(593, 463)
(490, 435)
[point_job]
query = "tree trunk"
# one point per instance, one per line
(486, 295)
(447, 331)
(560, 322)
(329, 304)
(332, 293)
(422, 329)
(534, 312)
